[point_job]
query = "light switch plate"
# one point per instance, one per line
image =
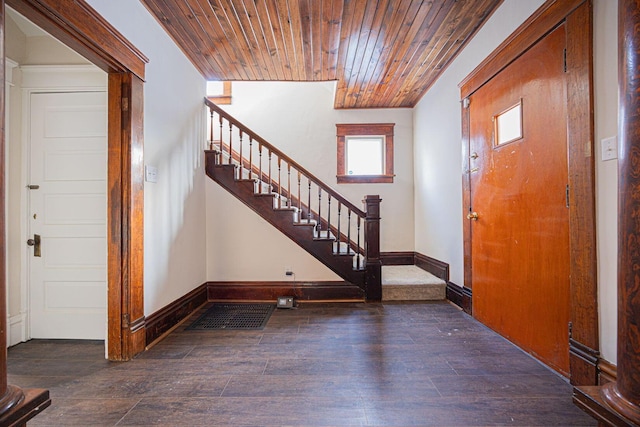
(609, 148)
(150, 173)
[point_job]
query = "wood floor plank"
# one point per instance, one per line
(410, 364)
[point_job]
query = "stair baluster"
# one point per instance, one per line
(309, 213)
(279, 184)
(230, 143)
(319, 225)
(270, 174)
(221, 159)
(289, 184)
(240, 172)
(250, 157)
(260, 179)
(211, 130)
(339, 223)
(299, 198)
(329, 218)
(348, 229)
(358, 245)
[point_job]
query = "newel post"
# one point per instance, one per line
(373, 273)
(624, 395)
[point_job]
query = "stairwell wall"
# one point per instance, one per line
(174, 211)
(299, 119)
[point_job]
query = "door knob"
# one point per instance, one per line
(473, 216)
(35, 242)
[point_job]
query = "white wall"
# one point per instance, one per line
(299, 119)
(606, 125)
(45, 50)
(437, 148)
(174, 210)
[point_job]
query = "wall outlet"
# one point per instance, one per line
(288, 271)
(285, 302)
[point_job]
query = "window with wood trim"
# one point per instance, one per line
(365, 153)
(219, 92)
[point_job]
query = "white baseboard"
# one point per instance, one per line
(16, 329)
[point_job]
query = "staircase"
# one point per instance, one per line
(342, 236)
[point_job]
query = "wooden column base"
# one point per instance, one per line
(590, 400)
(33, 402)
(612, 397)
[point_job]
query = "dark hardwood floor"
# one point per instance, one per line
(422, 364)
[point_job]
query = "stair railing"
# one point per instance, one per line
(355, 231)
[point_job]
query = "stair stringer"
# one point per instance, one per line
(283, 221)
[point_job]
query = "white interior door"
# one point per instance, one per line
(68, 210)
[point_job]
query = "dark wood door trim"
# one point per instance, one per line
(577, 15)
(125, 217)
(81, 28)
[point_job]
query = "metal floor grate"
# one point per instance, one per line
(234, 316)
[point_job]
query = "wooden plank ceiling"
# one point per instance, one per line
(383, 53)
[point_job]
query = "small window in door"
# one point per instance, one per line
(508, 125)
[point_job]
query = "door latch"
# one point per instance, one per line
(35, 242)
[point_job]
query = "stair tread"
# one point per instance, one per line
(411, 283)
(408, 275)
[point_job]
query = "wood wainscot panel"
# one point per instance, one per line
(607, 372)
(397, 258)
(437, 268)
(270, 291)
(164, 320)
(583, 360)
(460, 296)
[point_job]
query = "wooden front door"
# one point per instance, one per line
(518, 181)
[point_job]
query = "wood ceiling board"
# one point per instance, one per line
(383, 53)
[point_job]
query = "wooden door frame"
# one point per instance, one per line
(577, 17)
(80, 27)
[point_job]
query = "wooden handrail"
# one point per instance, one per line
(246, 131)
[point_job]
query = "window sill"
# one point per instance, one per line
(365, 179)
(220, 100)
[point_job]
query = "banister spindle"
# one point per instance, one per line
(210, 128)
(250, 157)
(319, 225)
(288, 185)
(241, 158)
(260, 168)
(270, 175)
(299, 198)
(348, 229)
(329, 215)
(309, 214)
(221, 157)
(279, 184)
(230, 142)
(339, 213)
(358, 246)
